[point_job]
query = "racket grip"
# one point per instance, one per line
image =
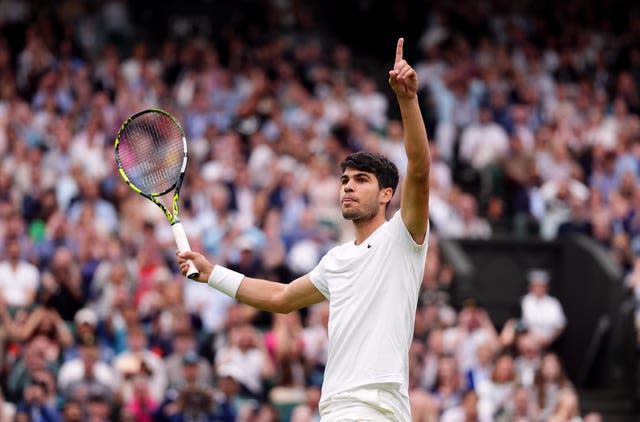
(183, 246)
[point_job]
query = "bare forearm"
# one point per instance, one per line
(262, 294)
(415, 136)
(278, 297)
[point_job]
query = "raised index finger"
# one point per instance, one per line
(399, 49)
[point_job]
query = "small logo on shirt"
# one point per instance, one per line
(369, 245)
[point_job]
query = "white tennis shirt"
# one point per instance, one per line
(373, 293)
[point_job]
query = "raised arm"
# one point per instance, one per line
(262, 294)
(414, 204)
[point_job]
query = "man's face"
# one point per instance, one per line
(539, 289)
(360, 196)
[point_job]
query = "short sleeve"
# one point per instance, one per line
(318, 277)
(401, 233)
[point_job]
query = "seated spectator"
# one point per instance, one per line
(46, 323)
(33, 358)
(474, 328)
(527, 359)
(184, 351)
(141, 405)
(315, 341)
(72, 411)
(558, 197)
(226, 395)
(137, 359)
(48, 380)
(245, 353)
(496, 394)
(549, 381)
(567, 408)
(466, 411)
(98, 408)
(62, 284)
(542, 314)
(193, 403)
(483, 145)
(19, 279)
(85, 325)
(434, 352)
(284, 344)
(85, 374)
(33, 404)
(447, 391)
(525, 408)
(481, 370)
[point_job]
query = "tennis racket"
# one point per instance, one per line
(151, 155)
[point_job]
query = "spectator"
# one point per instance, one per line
(226, 396)
(567, 409)
(44, 322)
(62, 284)
(72, 411)
(482, 147)
(98, 408)
(33, 358)
(19, 279)
(497, 393)
(34, 406)
(527, 360)
(245, 354)
(466, 411)
(85, 326)
(474, 328)
(138, 359)
(141, 405)
(185, 359)
(549, 381)
(542, 314)
(86, 374)
(447, 391)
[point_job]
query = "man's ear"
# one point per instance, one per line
(385, 195)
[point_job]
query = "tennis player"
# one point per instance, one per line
(371, 283)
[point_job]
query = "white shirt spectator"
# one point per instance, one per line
(18, 283)
(246, 357)
(211, 305)
(483, 144)
(370, 104)
(543, 315)
(73, 371)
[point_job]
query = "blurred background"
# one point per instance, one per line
(528, 309)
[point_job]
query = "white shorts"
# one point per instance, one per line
(380, 402)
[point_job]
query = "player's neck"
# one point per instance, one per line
(364, 228)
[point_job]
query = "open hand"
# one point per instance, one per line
(403, 78)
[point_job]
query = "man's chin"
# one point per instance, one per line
(349, 215)
(355, 216)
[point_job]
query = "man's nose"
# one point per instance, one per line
(348, 187)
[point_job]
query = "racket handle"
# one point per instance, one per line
(183, 246)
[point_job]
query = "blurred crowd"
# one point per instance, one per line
(534, 132)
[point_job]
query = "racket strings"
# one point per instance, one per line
(151, 152)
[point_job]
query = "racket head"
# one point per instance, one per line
(151, 152)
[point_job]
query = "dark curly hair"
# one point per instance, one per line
(385, 171)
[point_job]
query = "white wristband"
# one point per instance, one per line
(225, 280)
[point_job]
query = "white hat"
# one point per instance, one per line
(538, 276)
(229, 370)
(86, 315)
